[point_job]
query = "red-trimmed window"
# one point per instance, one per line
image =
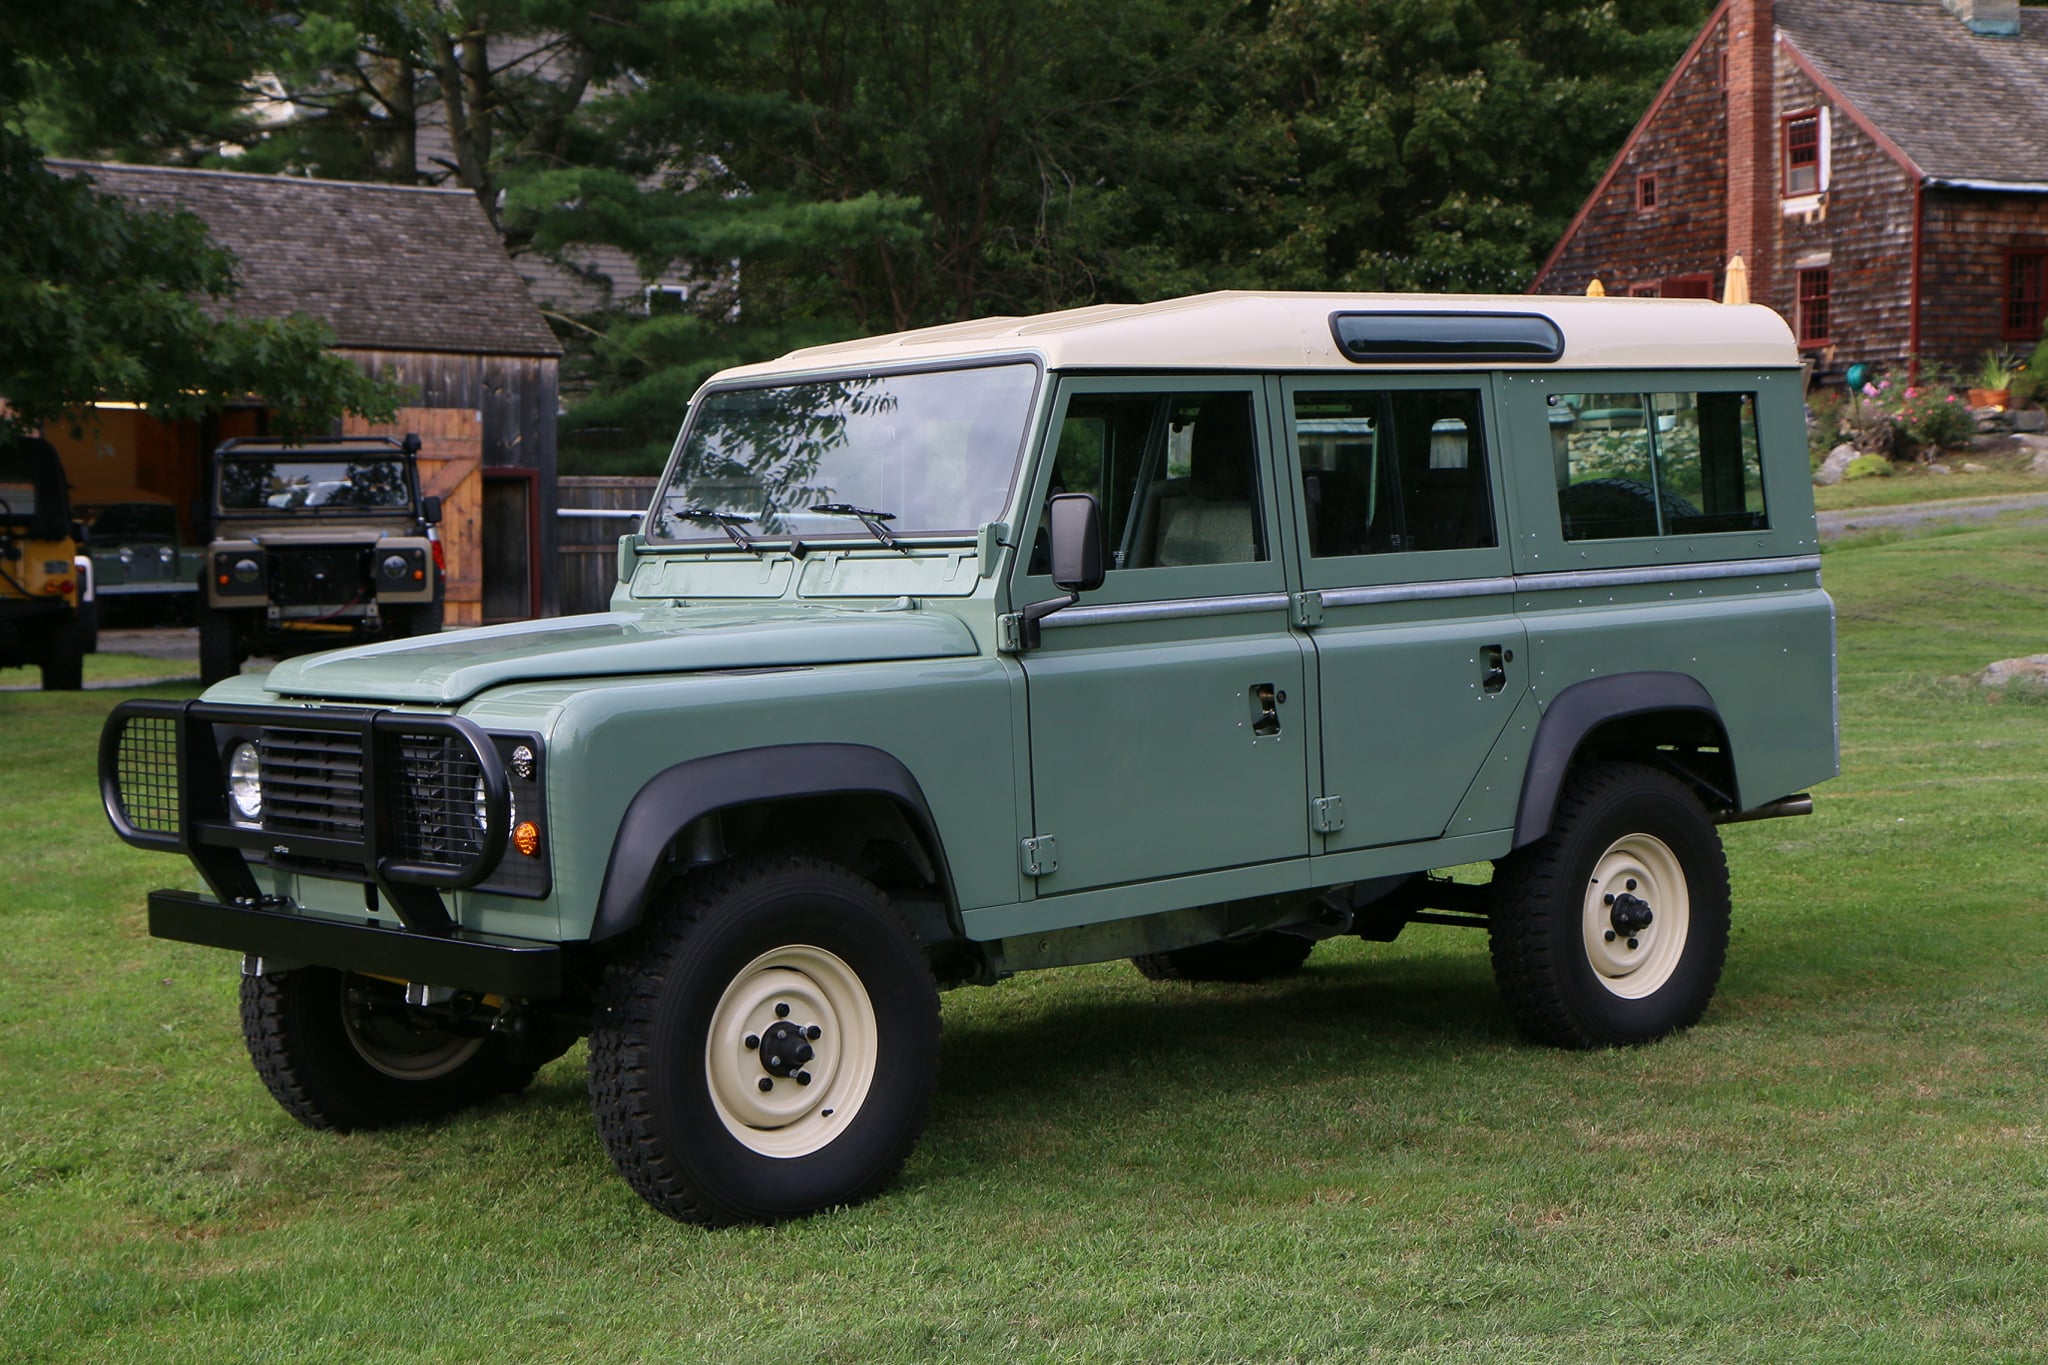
(2026, 294)
(1802, 154)
(1813, 307)
(1646, 192)
(1688, 286)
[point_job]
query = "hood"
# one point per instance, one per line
(447, 669)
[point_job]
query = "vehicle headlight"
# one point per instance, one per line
(483, 820)
(245, 782)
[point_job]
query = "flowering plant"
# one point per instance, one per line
(1885, 417)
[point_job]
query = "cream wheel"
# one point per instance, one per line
(791, 1051)
(1636, 914)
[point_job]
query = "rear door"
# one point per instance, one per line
(1408, 597)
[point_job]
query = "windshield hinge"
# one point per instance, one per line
(1041, 856)
(1010, 632)
(1326, 814)
(1308, 609)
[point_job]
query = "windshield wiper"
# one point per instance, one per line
(871, 519)
(728, 522)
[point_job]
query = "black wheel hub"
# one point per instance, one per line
(1629, 914)
(786, 1047)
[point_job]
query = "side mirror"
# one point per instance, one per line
(1075, 521)
(430, 510)
(1074, 526)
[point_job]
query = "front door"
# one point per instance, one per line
(1419, 655)
(1167, 716)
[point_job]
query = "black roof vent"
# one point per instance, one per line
(1378, 338)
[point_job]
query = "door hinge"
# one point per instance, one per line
(1041, 856)
(1326, 814)
(1308, 609)
(1010, 632)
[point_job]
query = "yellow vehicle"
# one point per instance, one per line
(39, 578)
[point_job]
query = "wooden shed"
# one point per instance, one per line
(415, 286)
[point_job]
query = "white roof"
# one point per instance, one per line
(1236, 330)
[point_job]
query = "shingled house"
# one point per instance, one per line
(414, 285)
(1881, 166)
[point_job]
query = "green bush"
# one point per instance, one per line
(1867, 467)
(1936, 418)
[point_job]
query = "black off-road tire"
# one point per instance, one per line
(316, 1057)
(63, 655)
(1563, 961)
(1262, 957)
(673, 1086)
(220, 646)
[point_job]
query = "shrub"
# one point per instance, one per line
(1936, 419)
(1823, 422)
(1868, 467)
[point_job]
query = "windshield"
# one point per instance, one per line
(928, 453)
(135, 521)
(265, 483)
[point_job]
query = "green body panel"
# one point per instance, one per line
(451, 668)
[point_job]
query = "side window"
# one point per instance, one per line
(1650, 464)
(1176, 474)
(1386, 470)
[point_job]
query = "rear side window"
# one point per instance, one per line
(1656, 464)
(1391, 470)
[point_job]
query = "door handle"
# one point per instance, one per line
(1266, 710)
(1493, 661)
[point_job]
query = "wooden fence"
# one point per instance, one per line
(592, 513)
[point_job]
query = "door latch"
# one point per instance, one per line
(1266, 700)
(1493, 661)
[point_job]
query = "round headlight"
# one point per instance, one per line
(245, 781)
(166, 554)
(245, 569)
(483, 818)
(127, 555)
(394, 566)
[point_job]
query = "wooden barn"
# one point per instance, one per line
(1881, 166)
(415, 286)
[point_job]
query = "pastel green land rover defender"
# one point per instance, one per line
(1193, 632)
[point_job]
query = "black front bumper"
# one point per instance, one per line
(463, 958)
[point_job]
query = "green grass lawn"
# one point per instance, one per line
(1847, 1161)
(108, 670)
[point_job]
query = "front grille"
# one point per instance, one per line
(435, 817)
(312, 783)
(318, 577)
(146, 773)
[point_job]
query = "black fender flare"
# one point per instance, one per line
(675, 797)
(1579, 710)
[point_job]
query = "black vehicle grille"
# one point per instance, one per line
(317, 577)
(146, 773)
(435, 819)
(312, 783)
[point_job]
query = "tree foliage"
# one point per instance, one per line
(822, 169)
(98, 300)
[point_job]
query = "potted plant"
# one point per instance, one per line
(1991, 387)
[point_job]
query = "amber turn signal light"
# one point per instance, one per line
(526, 837)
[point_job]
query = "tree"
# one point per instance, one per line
(98, 300)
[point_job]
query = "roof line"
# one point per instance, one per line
(1635, 135)
(254, 175)
(1856, 116)
(1943, 182)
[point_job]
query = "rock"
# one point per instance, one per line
(2031, 671)
(1972, 467)
(1939, 469)
(2031, 419)
(1830, 471)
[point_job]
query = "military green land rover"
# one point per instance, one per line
(1193, 632)
(314, 546)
